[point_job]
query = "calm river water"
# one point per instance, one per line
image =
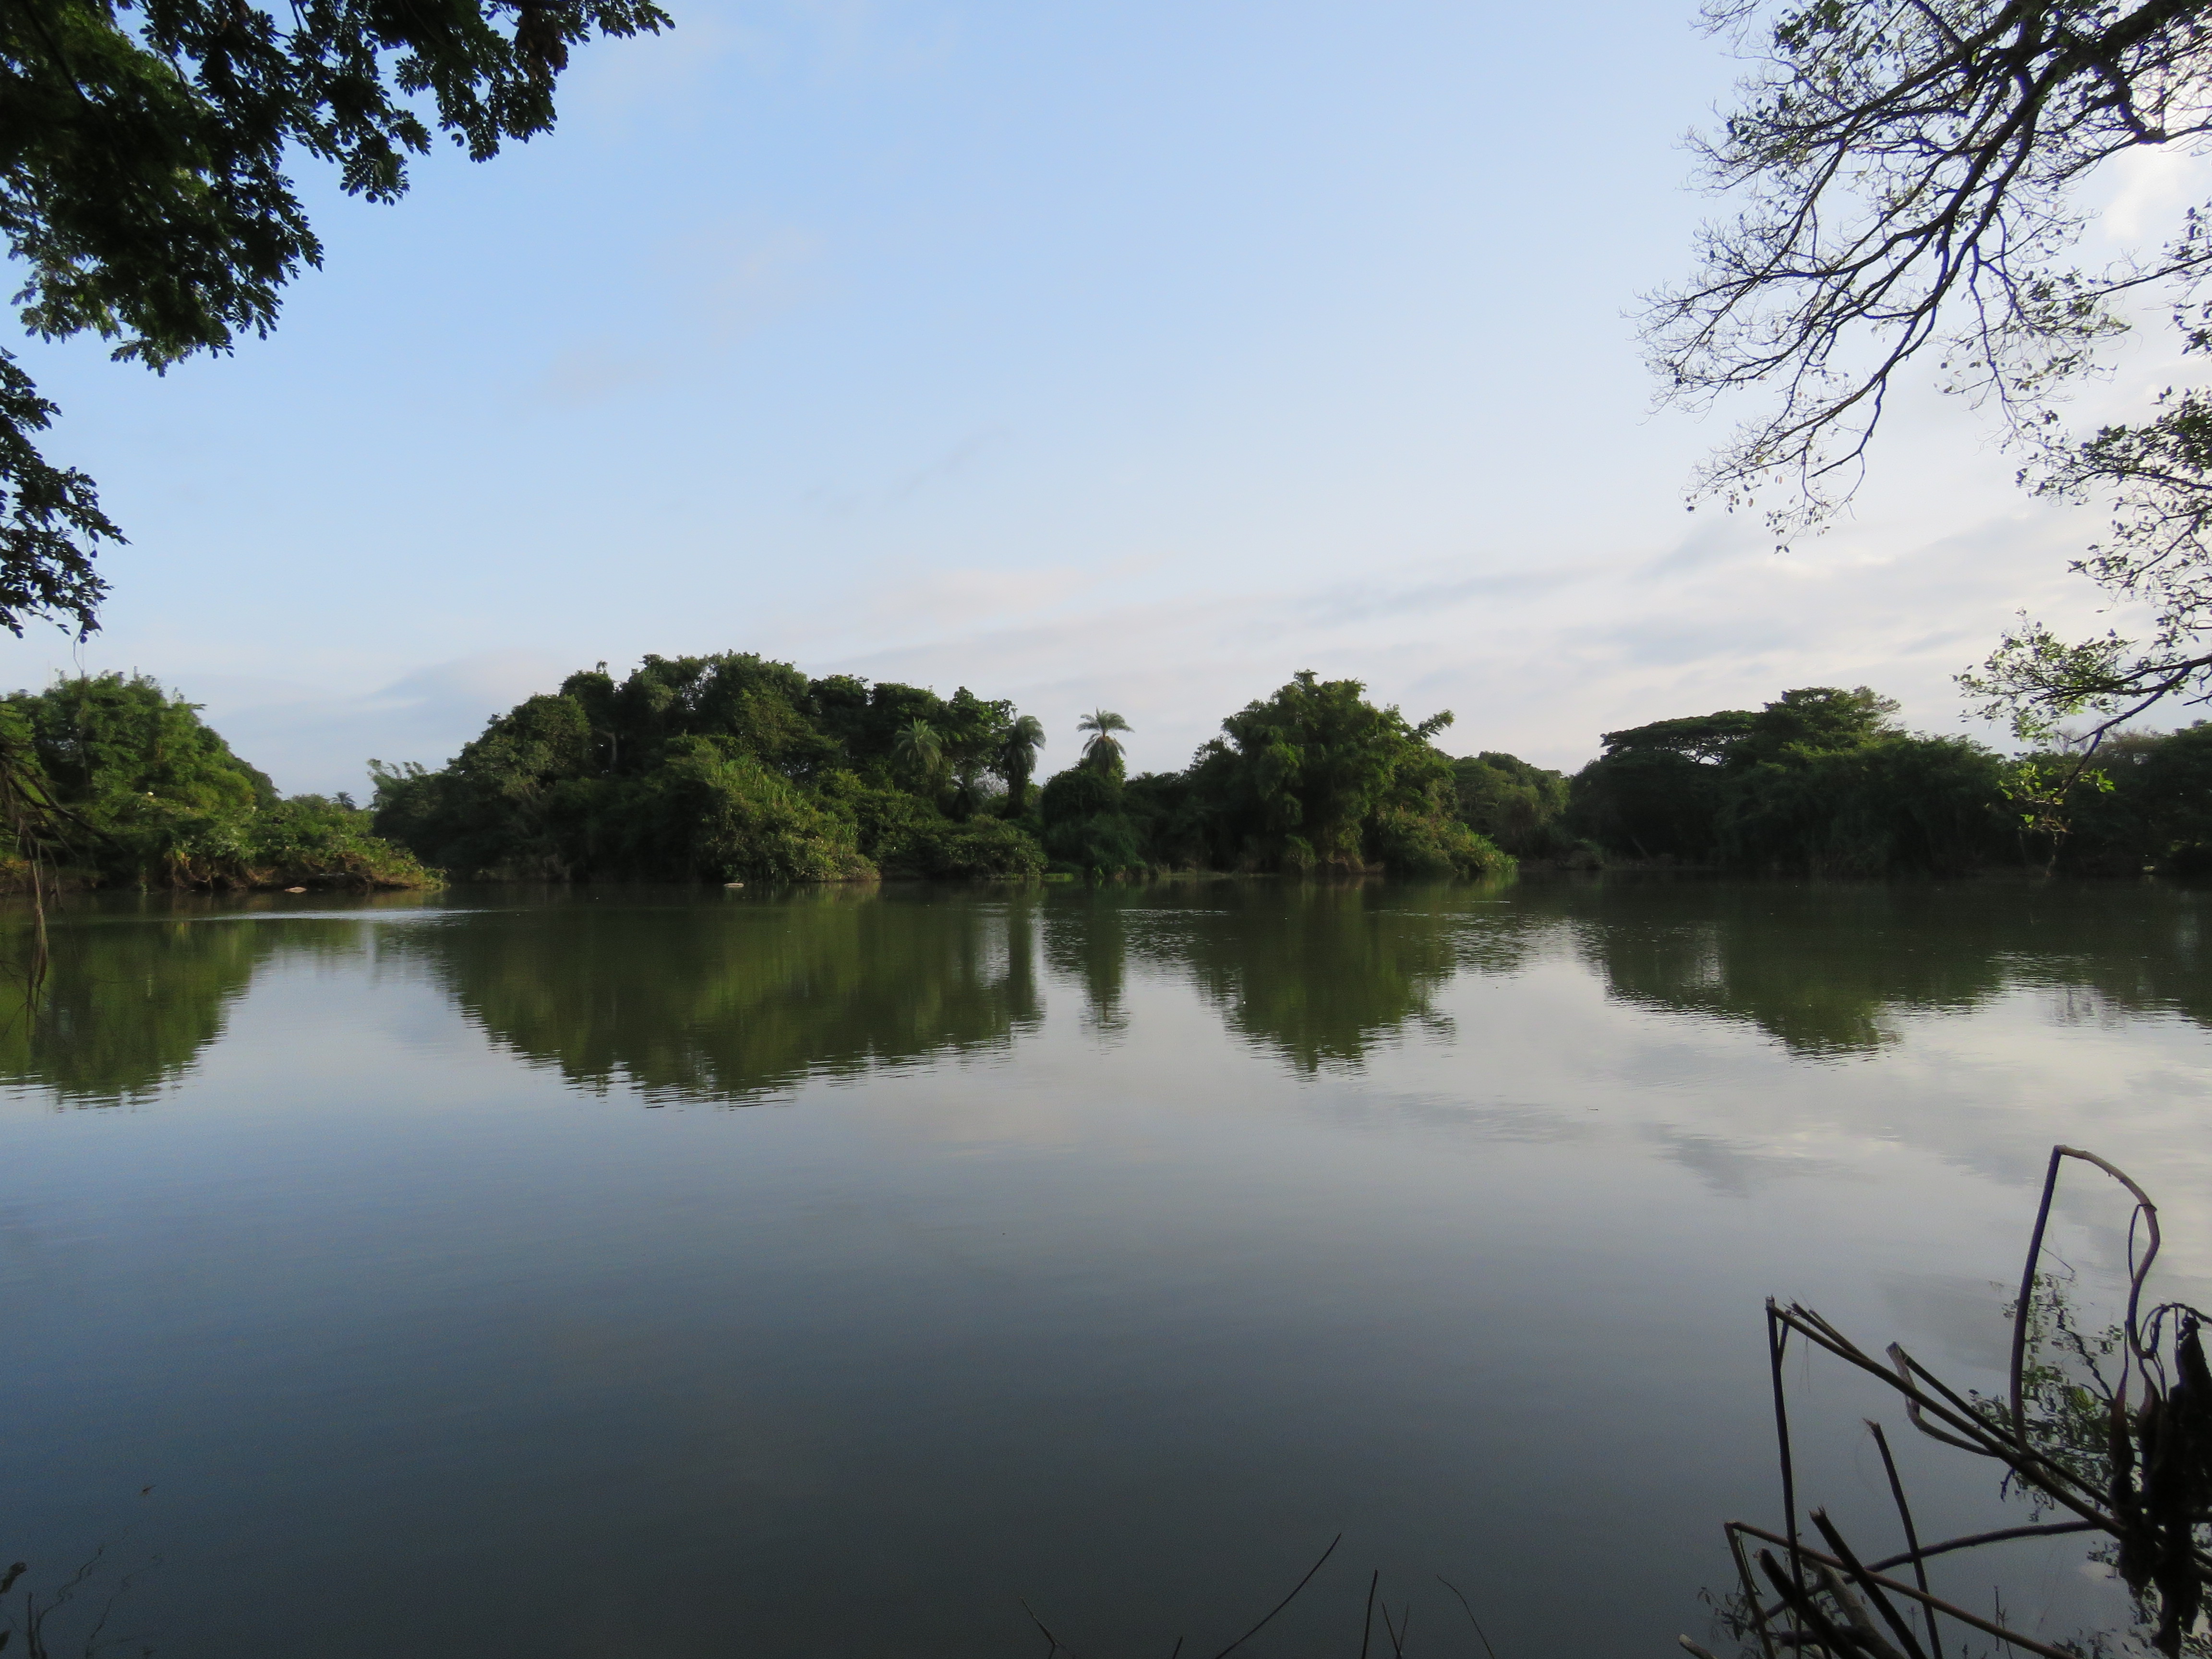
(620, 1272)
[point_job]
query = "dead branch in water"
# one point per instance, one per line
(2141, 1473)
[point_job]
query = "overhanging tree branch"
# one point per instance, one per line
(144, 194)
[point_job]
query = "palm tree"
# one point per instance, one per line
(918, 750)
(1102, 750)
(1017, 758)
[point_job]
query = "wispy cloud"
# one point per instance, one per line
(839, 501)
(594, 372)
(736, 281)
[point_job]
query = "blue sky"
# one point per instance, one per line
(1135, 356)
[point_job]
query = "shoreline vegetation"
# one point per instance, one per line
(737, 770)
(112, 781)
(732, 768)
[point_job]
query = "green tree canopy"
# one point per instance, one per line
(918, 751)
(728, 767)
(1521, 807)
(1102, 749)
(1087, 825)
(144, 197)
(2149, 806)
(1016, 759)
(1317, 777)
(1820, 780)
(145, 792)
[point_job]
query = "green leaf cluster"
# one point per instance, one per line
(146, 793)
(1087, 823)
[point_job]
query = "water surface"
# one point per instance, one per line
(628, 1272)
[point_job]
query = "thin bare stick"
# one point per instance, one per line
(1930, 1552)
(1834, 1642)
(1777, 1340)
(2028, 1282)
(2027, 1292)
(1948, 1608)
(1287, 1599)
(1903, 1365)
(1752, 1593)
(1397, 1641)
(2138, 1272)
(1367, 1628)
(35, 978)
(1911, 1535)
(1471, 1619)
(1039, 1623)
(1869, 1639)
(1866, 1582)
(2060, 1484)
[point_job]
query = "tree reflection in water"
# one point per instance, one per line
(1827, 967)
(698, 1000)
(133, 994)
(1321, 973)
(1086, 939)
(712, 996)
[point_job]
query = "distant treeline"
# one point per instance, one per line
(1823, 782)
(730, 767)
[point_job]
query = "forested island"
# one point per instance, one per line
(732, 768)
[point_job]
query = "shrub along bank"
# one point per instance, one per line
(126, 785)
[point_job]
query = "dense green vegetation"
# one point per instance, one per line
(2150, 806)
(1819, 779)
(732, 768)
(1522, 808)
(116, 782)
(1822, 781)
